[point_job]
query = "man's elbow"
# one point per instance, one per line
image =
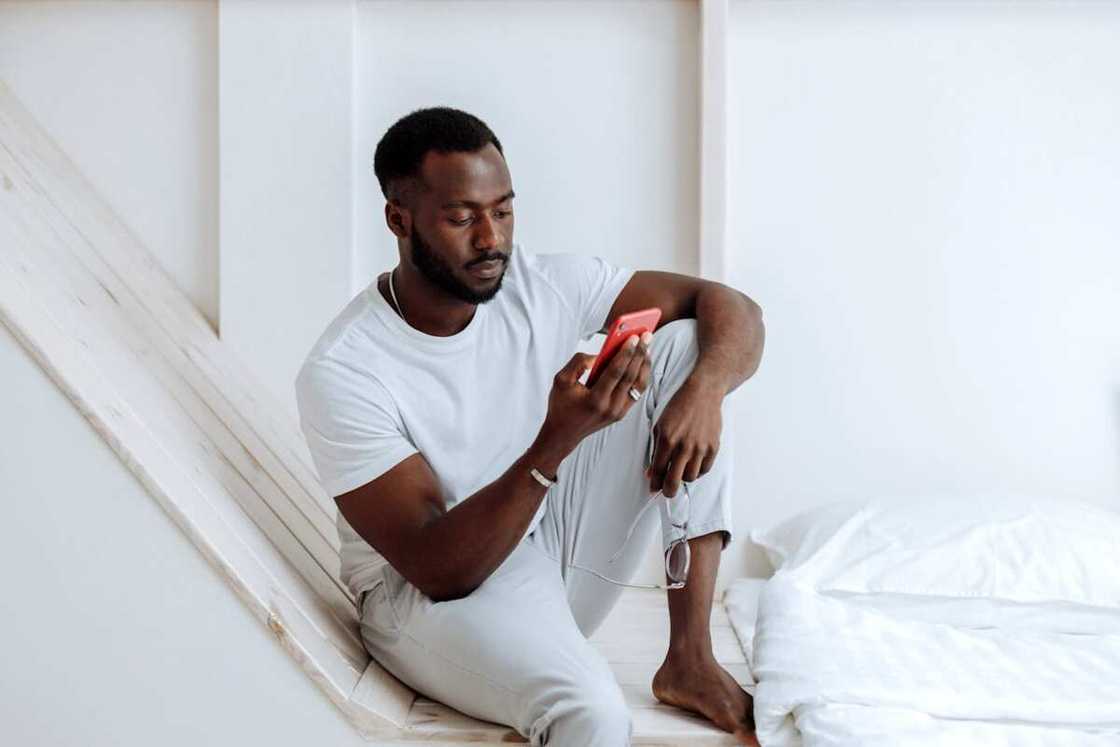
(756, 337)
(450, 587)
(755, 309)
(439, 576)
(439, 587)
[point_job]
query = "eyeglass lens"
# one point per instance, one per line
(677, 559)
(676, 565)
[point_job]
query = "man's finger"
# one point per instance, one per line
(694, 468)
(575, 367)
(621, 393)
(661, 456)
(706, 462)
(676, 473)
(608, 379)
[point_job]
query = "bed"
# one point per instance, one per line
(986, 620)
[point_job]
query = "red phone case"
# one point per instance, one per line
(634, 323)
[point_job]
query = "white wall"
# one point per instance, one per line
(286, 157)
(595, 104)
(923, 199)
(115, 629)
(129, 91)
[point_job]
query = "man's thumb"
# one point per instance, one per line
(575, 367)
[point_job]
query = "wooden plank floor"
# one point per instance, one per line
(634, 639)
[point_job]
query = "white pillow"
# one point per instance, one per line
(740, 601)
(795, 540)
(998, 546)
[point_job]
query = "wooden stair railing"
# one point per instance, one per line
(141, 363)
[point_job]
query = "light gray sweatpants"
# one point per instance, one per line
(515, 650)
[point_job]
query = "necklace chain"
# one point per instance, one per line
(394, 295)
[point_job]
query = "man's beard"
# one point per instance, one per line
(440, 274)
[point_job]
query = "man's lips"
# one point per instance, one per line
(487, 269)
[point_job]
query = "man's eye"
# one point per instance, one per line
(501, 214)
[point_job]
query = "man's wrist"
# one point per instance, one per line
(706, 381)
(547, 452)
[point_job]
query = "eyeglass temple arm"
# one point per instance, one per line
(676, 585)
(649, 502)
(634, 523)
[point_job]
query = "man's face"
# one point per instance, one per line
(463, 219)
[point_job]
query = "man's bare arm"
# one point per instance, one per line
(448, 554)
(730, 334)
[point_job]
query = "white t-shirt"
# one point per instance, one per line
(375, 390)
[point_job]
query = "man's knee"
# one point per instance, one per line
(610, 717)
(674, 353)
(677, 327)
(677, 338)
(587, 714)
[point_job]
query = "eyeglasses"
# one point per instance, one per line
(677, 555)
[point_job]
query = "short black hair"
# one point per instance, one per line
(440, 128)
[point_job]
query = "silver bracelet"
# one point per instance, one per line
(541, 478)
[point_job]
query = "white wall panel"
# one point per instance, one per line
(130, 93)
(595, 103)
(285, 91)
(923, 201)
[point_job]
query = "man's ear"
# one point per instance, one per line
(398, 219)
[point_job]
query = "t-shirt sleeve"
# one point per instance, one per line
(351, 423)
(589, 285)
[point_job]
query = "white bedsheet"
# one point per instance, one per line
(877, 669)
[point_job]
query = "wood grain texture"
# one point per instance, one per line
(143, 366)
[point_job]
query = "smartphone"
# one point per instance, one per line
(634, 323)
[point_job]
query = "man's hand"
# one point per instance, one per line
(686, 437)
(575, 410)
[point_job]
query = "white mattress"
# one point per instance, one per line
(741, 602)
(892, 669)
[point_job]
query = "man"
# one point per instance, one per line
(483, 489)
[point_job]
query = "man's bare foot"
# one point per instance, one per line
(702, 686)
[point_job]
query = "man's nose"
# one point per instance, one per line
(487, 235)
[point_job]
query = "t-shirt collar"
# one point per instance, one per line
(393, 321)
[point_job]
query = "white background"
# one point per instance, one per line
(921, 197)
